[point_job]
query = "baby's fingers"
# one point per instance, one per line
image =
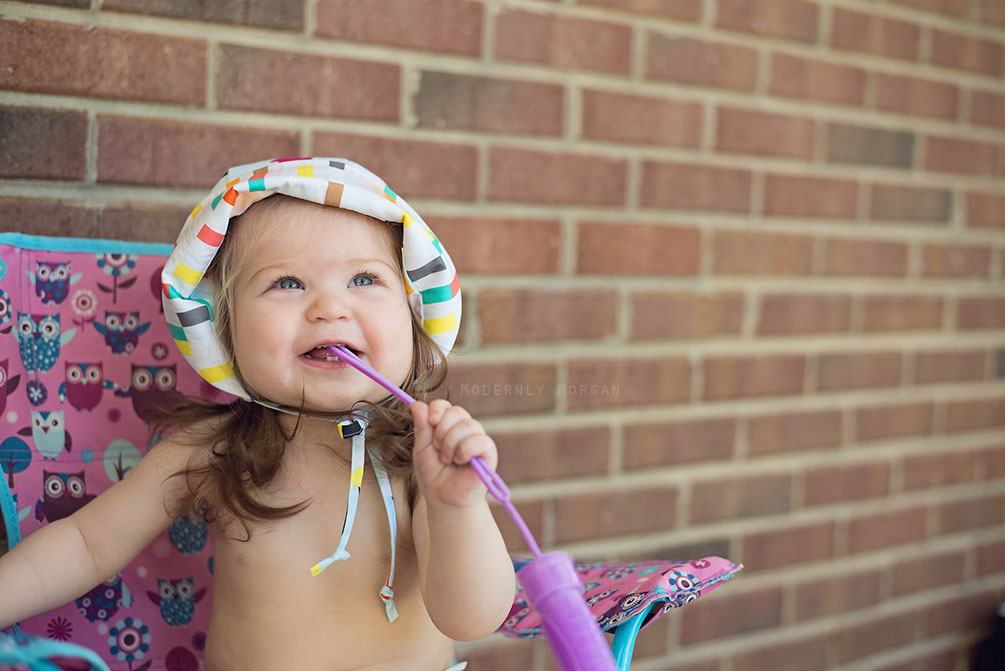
(423, 430)
(450, 440)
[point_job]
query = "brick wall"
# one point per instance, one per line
(739, 262)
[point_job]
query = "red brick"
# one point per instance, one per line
(719, 617)
(730, 377)
(778, 548)
(684, 60)
(901, 313)
(614, 513)
(465, 102)
(43, 57)
(169, 153)
(928, 571)
(637, 249)
(763, 133)
(670, 443)
(791, 432)
(860, 370)
(527, 176)
(775, 254)
(961, 613)
(553, 454)
(539, 315)
(39, 143)
(791, 314)
(606, 383)
(40, 216)
(789, 19)
(563, 42)
(991, 558)
(893, 421)
(942, 660)
(840, 483)
(992, 11)
(633, 119)
(791, 196)
(980, 312)
(976, 414)
(474, 242)
(281, 15)
(740, 498)
(873, 258)
(682, 315)
(950, 366)
(818, 81)
(836, 594)
(682, 186)
(685, 10)
(917, 97)
(987, 108)
(858, 31)
(910, 204)
(945, 154)
(969, 514)
(865, 145)
(142, 222)
(985, 210)
(876, 635)
(886, 529)
(340, 87)
(963, 52)
(938, 470)
(467, 386)
(809, 654)
(450, 26)
(532, 513)
(949, 7)
(994, 463)
(413, 168)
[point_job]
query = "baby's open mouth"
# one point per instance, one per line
(321, 352)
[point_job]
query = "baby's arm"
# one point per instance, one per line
(68, 557)
(466, 575)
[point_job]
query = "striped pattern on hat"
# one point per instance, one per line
(430, 277)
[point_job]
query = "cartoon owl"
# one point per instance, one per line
(62, 495)
(48, 430)
(122, 330)
(152, 387)
(84, 385)
(39, 339)
(188, 534)
(7, 385)
(104, 601)
(177, 599)
(52, 281)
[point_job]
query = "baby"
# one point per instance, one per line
(256, 288)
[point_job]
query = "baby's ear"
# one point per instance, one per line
(415, 301)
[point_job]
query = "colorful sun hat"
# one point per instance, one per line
(430, 277)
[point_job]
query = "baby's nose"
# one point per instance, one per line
(328, 306)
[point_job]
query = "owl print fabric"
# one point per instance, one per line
(86, 357)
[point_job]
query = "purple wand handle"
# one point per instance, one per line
(492, 481)
(550, 580)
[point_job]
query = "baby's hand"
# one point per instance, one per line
(446, 438)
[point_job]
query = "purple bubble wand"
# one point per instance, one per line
(550, 581)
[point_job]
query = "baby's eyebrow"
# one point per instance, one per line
(360, 261)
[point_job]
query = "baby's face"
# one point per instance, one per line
(320, 276)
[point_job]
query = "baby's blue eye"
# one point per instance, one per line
(289, 283)
(367, 280)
